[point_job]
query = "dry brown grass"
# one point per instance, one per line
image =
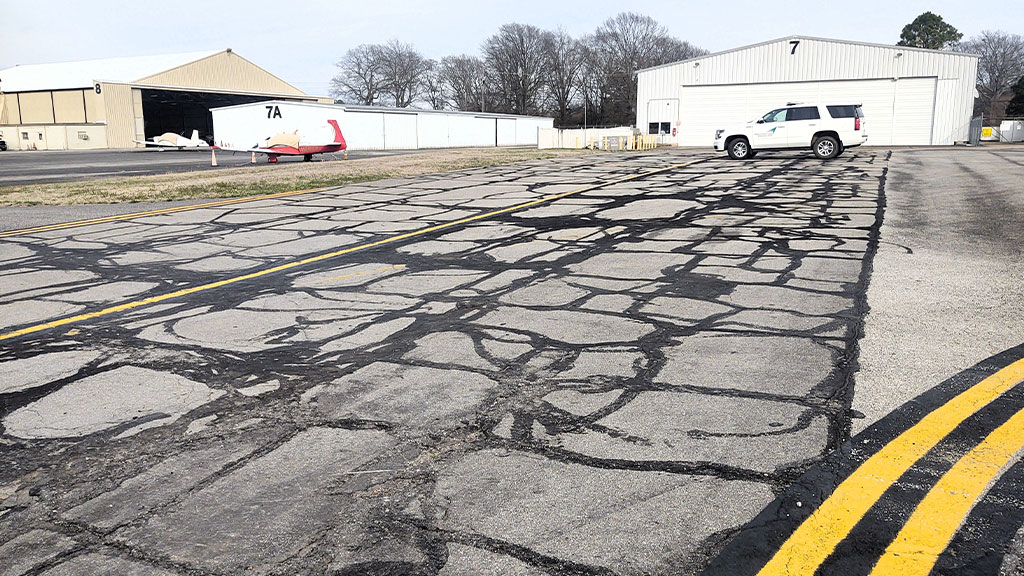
(264, 179)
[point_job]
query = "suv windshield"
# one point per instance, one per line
(848, 111)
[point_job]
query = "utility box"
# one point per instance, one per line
(1011, 131)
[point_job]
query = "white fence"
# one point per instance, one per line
(622, 138)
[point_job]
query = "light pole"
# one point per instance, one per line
(585, 102)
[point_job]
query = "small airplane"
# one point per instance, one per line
(172, 140)
(295, 144)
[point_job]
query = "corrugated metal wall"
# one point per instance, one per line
(94, 110)
(506, 131)
(911, 101)
(69, 106)
(117, 109)
(433, 131)
(401, 131)
(368, 128)
(140, 121)
(48, 107)
(223, 71)
(363, 130)
(36, 108)
(10, 113)
(815, 60)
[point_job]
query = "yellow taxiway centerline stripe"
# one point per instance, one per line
(156, 212)
(943, 510)
(816, 538)
(365, 272)
(297, 263)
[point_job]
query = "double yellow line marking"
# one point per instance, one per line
(295, 264)
(936, 519)
(159, 212)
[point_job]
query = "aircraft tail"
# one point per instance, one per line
(338, 138)
(195, 135)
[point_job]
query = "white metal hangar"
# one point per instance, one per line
(910, 96)
(111, 103)
(374, 127)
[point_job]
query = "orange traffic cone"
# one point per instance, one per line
(213, 156)
(253, 160)
(346, 153)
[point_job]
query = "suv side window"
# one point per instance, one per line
(776, 115)
(844, 111)
(804, 113)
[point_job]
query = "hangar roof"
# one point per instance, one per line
(82, 74)
(798, 37)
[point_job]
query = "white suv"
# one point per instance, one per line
(825, 129)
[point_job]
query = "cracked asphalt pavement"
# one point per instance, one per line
(618, 381)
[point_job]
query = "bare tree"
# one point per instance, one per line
(360, 77)
(515, 58)
(465, 81)
(630, 42)
(403, 69)
(592, 83)
(1001, 64)
(434, 91)
(564, 58)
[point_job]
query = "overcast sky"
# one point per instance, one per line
(301, 40)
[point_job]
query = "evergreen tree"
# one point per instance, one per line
(1016, 105)
(929, 31)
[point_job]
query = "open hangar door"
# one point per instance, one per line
(897, 112)
(182, 112)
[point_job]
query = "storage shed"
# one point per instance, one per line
(375, 127)
(112, 102)
(910, 96)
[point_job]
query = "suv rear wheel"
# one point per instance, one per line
(826, 147)
(739, 149)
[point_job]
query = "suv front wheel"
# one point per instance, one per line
(739, 149)
(826, 147)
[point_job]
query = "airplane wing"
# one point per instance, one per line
(169, 145)
(257, 150)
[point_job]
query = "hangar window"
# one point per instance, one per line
(804, 113)
(659, 128)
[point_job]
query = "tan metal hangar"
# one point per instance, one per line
(114, 102)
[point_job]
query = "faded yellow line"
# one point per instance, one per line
(297, 263)
(157, 212)
(365, 272)
(817, 537)
(943, 510)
